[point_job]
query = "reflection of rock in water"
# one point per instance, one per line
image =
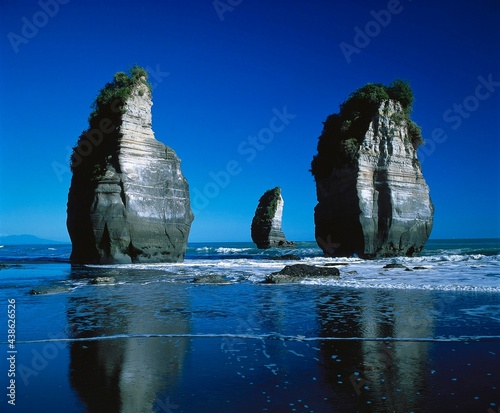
(126, 375)
(381, 376)
(396, 371)
(339, 316)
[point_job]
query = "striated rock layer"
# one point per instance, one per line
(379, 206)
(129, 201)
(266, 224)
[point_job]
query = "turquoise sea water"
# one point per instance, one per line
(148, 339)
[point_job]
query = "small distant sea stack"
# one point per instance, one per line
(128, 201)
(373, 200)
(266, 224)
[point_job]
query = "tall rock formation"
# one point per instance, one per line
(266, 224)
(372, 197)
(128, 201)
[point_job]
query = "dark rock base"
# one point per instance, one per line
(298, 272)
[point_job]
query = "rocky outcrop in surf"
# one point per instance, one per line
(372, 197)
(128, 201)
(266, 224)
(299, 272)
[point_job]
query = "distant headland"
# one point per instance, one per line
(26, 239)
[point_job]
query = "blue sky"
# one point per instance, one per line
(224, 71)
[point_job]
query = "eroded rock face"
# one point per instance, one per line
(380, 206)
(266, 224)
(135, 207)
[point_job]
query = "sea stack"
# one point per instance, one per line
(266, 224)
(128, 201)
(373, 200)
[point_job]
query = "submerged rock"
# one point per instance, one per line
(102, 280)
(266, 224)
(297, 272)
(128, 201)
(53, 289)
(211, 279)
(373, 200)
(7, 266)
(394, 265)
(286, 257)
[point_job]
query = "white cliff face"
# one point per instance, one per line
(140, 208)
(394, 198)
(145, 163)
(276, 221)
(381, 206)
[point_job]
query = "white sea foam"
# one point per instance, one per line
(452, 275)
(271, 336)
(441, 270)
(227, 250)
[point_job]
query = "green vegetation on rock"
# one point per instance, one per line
(268, 203)
(89, 156)
(343, 132)
(114, 94)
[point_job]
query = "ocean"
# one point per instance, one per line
(148, 338)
